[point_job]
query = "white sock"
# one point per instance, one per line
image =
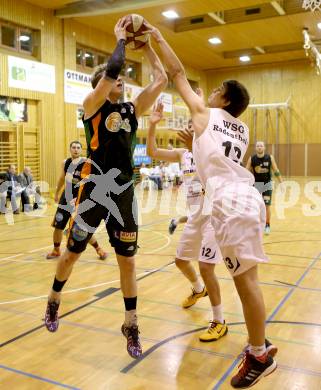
(218, 313)
(257, 351)
(198, 286)
(131, 317)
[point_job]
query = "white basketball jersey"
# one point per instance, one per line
(192, 184)
(220, 149)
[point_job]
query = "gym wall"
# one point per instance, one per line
(273, 84)
(51, 121)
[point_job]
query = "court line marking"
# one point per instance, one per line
(270, 318)
(144, 274)
(11, 257)
(141, 226)
(69, 291)
(37, 377)
(152, 349)
(117, 333)
(32, 330)
(200, 350)
(281, 284)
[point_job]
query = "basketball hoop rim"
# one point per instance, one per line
(312, 5)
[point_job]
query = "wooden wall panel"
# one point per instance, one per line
(275, 83)
(49, 115)
(314, 160)
(297, 159)
(55, 119)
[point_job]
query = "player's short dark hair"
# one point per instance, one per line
(75, 142)
(97, 75)
(238, 97)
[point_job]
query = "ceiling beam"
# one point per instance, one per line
(267, 10)
(105, 7)
(217, 16)
(278, 6)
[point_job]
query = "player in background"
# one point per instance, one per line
(69, 176)
(262, 165)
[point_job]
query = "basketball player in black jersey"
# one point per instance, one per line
(70, 177)
(262, 165)
(108, 193)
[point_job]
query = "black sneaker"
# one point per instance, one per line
(172, 226)
(252, 370)
(134, 347)
(271, 349)
(51, 316)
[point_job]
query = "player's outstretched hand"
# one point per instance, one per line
(157, 113)
(186, 136)
(120, 28)
(153, 31)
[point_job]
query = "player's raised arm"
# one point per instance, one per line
(148, 96)
(177, 72)
(109, 72)
(152, 149)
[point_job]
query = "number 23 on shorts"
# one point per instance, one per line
(232, 265)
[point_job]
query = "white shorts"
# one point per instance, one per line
(197, 241)
(238, 221)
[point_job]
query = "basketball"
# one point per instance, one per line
(135, 37)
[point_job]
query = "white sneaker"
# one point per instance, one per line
(267, 230)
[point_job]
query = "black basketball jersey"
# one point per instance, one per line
(262, 168)
(111, 138)
(73, 174)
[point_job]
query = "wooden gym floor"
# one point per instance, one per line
(88, 351)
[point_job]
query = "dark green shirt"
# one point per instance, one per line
(111, 138)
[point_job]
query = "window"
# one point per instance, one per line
(19, 38)
(8, 36)
(79, 55)
(130, 70)
(25, 40)
(87, 59)
(101, 59)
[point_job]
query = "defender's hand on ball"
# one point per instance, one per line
(153, 31)
(157, 113)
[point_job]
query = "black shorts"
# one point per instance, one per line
(120, 221)
(63, 213)
(267, 197)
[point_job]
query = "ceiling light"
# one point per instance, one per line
(130, 69)
(24, 38)
(319, 25)
(170, 14)
(215, 41)
(245, 58)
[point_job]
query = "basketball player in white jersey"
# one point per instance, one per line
(197, 241)
(237, 208)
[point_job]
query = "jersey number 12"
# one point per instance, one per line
(228, 147)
